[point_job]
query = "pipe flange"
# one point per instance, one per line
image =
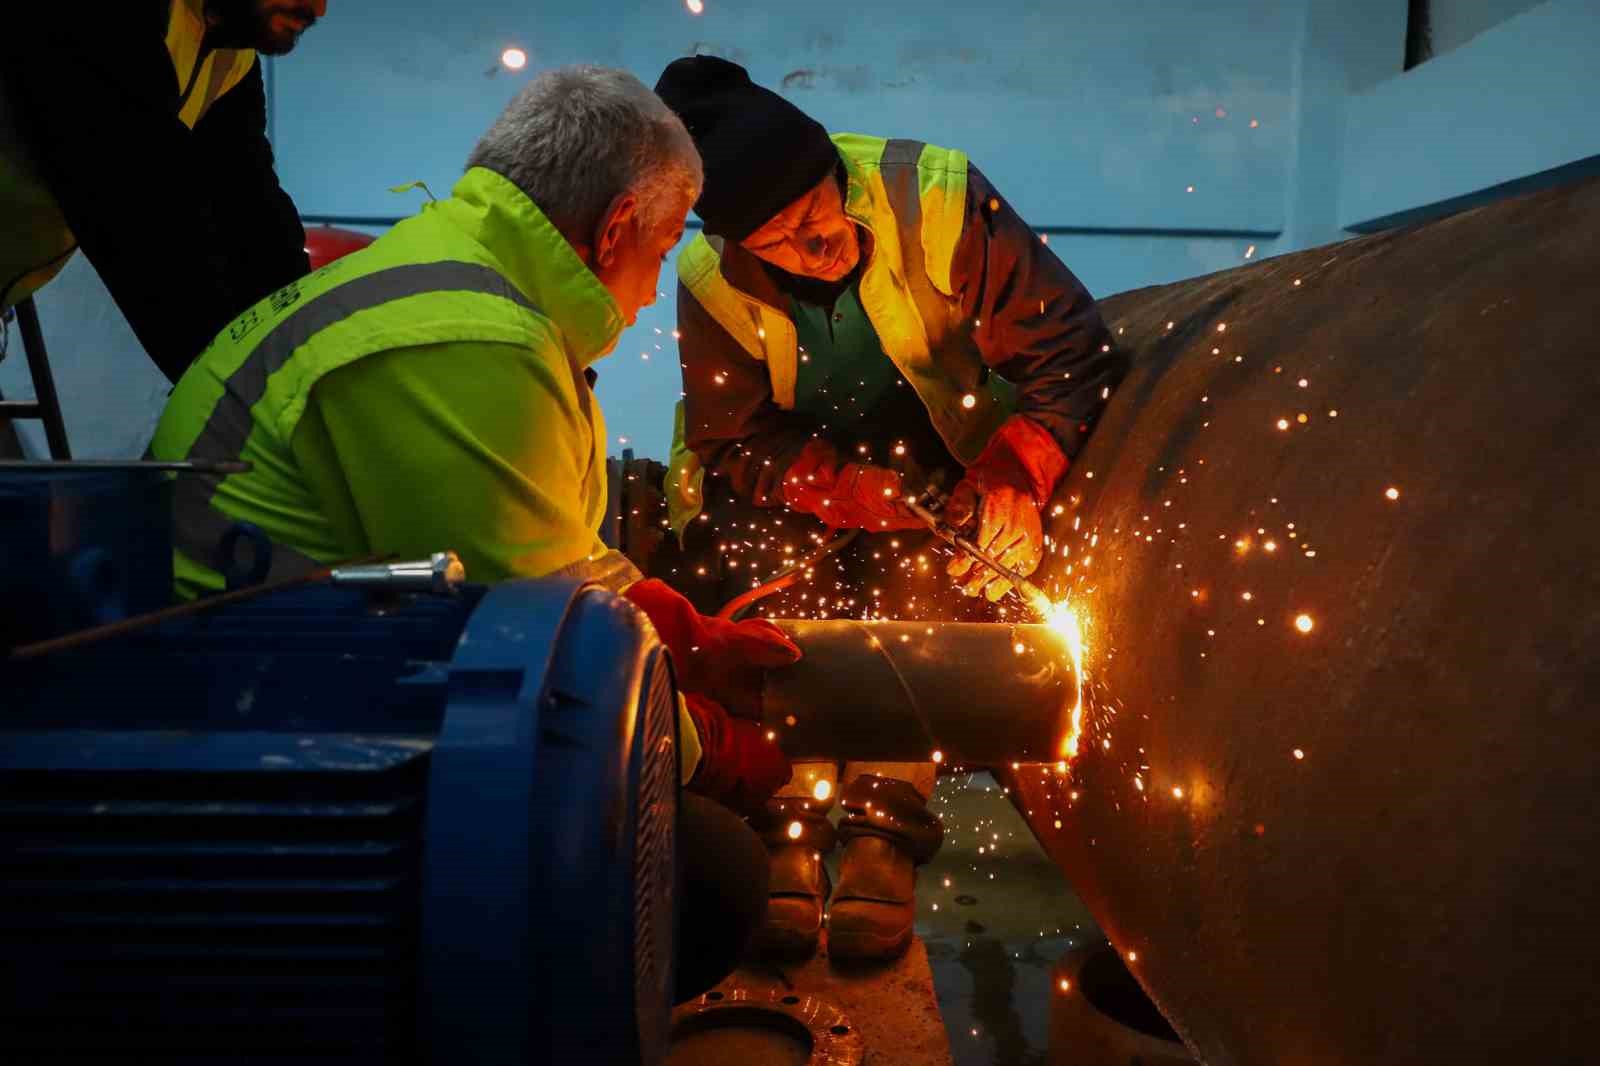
(834, 1039)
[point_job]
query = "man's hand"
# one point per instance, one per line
(739, 767)
(712, 656)
(1008, 529)
(1004, 491)
(847, 495)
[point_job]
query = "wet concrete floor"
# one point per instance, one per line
(994, 915)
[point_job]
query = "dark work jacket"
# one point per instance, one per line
(187, 228)
(1037, 327)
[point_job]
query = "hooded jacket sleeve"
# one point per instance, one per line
(731, 421)
(1038, 326)
(186, 228)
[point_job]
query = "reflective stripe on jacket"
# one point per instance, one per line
(38, 240)
(911, 197)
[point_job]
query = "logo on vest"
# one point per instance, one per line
(284, 297)
(243, 325)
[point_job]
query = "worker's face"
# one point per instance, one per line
(271, 27)
(812, 237)
(628, 250)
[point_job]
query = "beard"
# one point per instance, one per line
(271, 27)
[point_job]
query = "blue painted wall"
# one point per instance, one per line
(1094, 117)
(1455, 22)
(1515, 100)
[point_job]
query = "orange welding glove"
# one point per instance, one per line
(713, 656)
(1004, 491)
(739, 767)
(847, 495)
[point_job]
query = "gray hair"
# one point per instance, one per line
(577, 137)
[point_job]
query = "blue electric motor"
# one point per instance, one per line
(80, 547)
(332, 825)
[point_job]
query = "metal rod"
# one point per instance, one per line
(44, 385)
(183, 610)
(899, 691)
(440, 573)
(180, 466)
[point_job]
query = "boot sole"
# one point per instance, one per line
(790, 938)
(850, 946)
(786, 944)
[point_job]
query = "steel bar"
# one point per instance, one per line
(84, 637)
(44, 383)
(178, 466)
(1335, 541)
(977, 693)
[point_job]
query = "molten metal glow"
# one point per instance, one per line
(1063, 619)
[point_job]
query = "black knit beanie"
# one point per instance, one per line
(760, 152)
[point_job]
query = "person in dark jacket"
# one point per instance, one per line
(863, 316)
(137, 132)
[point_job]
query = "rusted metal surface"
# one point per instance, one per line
(1376, 840)
(975, 692)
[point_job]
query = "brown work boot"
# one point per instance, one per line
(871, 915)
(888, 832)
(798, 885)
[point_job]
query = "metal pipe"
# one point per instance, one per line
(977, 693)
(1334, 541)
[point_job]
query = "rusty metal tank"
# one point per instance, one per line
(1335, 540)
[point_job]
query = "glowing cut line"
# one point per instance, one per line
(1063, 619)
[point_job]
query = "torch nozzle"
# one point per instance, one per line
(1031, 594)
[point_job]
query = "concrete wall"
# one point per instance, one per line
(1093, 116)
(1455, 22)
(1513, 102)
(1288, 118)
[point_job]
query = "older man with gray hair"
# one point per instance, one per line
(434, 390)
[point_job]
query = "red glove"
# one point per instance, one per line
(713, 656)
(1005, 489)
(739, 767)
(848, 496)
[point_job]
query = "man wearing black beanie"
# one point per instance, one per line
(856, 299)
